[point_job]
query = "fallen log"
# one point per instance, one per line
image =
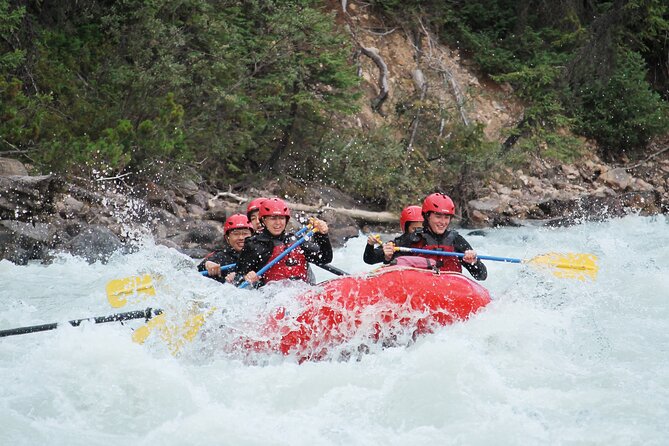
(356, 214)
(359, 215)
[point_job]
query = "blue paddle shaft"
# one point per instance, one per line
(278, 258)
(205, 273)
(459, 254)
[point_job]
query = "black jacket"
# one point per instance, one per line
(258, 250)
(223, 256)
(373, 254)
(478, 270)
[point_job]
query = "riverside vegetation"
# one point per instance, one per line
(229, 92)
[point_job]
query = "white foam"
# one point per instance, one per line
(550, 361)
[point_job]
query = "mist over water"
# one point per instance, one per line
(549, 361)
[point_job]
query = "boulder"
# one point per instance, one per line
(94, 243)
(643, 186)
(218, 212)
(200, 199)
(11, 167)
(187, 188)
(340, 227)
(478, 219)
(202, 232)
(570, 171)
(70, 207)
(485, 205)
(195, 252)
(617, 178)
(24, 197)
(21, 242)
(195, 211)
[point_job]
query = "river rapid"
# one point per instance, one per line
(549, 361)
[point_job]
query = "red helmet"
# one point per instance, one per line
(273, 206)
(440, 203)
(410, 214)
(237, 221)
(254, 205)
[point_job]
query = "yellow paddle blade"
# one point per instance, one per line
(142, 333)
(569, 265)
(119, 290)
(175, 336)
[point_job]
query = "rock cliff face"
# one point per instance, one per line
(418, 66)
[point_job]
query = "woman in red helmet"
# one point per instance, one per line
(273, 239)
(411, 219)
(252, 213)
(437, 211)
(237, 228)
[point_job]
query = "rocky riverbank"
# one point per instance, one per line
(566, 194)
(41, 215)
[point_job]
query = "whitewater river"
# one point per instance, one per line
(549, 362)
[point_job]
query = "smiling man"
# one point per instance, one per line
(269, 243)
(438, 210)
(237, 228)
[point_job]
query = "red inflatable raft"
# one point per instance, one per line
(372, 307)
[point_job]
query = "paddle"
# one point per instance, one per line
(138, 314)
(205, 273)
(332, 269)
(278, 258)
(119, 289)
(569, 265)
(175, 336)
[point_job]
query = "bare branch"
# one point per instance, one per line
(648, 158)
(14, 148)
(373, 54)
(117, 177)
(422, 84)
(375, 33)
(235, 197)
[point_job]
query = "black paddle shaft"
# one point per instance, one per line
(333, 269)
(138, 314)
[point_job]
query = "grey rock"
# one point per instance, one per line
(218, 213)
(11, 167)
(21, 242)
(203, 232)
(618, 178)
(485, 204)
(195, 211)
(70, 207)
(200, 199)
(195, 253)
(23, 198)
(187, 188)
(94, 243)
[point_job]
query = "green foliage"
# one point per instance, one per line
(557, 56)
(10, 57)
(246, 87)
(137, 84)
(622, 112)
(375, 167)
(463, 160)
